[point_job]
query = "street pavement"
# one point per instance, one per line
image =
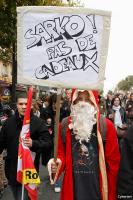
(46, 191)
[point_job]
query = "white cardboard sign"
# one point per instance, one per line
(62, 47)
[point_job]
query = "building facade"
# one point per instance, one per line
(5, 81)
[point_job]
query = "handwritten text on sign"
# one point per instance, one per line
(62, 47)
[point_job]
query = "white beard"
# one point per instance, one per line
(83, 118)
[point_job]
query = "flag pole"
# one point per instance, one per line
(25, 159)
(29, 102)
(56, 128)
(22, 197)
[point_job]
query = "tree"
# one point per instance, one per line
(8, 34)
(126, 84)
(8, 30)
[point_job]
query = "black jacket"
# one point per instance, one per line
(125, 176)
(9, 139)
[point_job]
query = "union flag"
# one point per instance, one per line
(26, 172)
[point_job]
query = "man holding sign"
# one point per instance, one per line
(89, 160)
(72, 44)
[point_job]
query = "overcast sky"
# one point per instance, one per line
(120, 55)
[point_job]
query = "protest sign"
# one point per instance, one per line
(62, 47)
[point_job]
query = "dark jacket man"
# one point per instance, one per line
(38, 141)
(9, 139)
(125, 176)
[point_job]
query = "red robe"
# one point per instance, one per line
(112, 159)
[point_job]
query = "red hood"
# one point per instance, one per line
(93, 97)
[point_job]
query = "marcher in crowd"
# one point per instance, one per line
(45, 101)
(108, 101)
(3, 179)
(90, 168)
(102, 105)
(50, 112)
(129, 110)
(125, 176)
(121, 97)
(9, 139)
(1, 107)
(47, 115)
(117, 114)
(35, 108)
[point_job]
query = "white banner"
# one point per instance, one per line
(62, 47)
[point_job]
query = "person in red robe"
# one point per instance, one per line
(90, 167)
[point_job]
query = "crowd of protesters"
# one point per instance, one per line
(119, 109)
(116, 107)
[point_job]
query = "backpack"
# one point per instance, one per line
(103, 129)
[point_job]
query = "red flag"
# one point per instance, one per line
(26, 172)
